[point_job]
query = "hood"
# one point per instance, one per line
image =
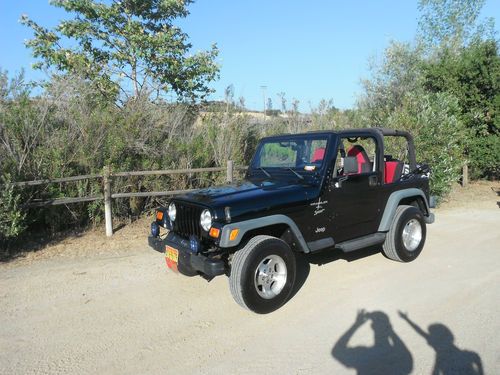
(252, 196)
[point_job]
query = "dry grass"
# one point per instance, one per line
(479, 194)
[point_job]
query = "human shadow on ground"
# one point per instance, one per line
(449, 358)
(388, 355)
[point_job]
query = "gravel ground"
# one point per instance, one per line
(92, 306)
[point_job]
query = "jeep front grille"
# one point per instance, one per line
(187, 221)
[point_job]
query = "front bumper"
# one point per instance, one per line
(189, 263)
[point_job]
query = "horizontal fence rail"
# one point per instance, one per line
(167, 171)
(59, 201)
(107, 195)
(56, 180)
(150, 194)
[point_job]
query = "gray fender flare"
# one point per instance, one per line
(261, 222)
(392, 205)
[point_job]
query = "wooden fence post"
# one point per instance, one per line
(465, 175)
(108, 218)
(229, 171)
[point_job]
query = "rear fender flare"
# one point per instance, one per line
(393, 203)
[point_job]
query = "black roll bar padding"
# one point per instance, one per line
(409, 139)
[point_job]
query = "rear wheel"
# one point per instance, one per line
(262, 274)
(406, 237)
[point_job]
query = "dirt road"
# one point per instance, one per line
(125, 313)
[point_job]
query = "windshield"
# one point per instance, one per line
(299, 153)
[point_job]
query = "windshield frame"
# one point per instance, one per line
(283, 171)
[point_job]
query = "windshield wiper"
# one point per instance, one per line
(295, 173)
(266, 172)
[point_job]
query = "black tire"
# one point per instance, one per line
(399, 244)
(245, 274)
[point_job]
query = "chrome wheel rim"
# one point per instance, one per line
(412, 234)
(270, 276)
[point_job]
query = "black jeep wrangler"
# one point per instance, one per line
(301, 193)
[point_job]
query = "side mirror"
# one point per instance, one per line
(350, 165)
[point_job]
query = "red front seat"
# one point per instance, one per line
(318, 155)
(361, 157)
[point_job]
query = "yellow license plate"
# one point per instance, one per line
(172, 254)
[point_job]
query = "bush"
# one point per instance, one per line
(484, 155)
(11, 215)
(434, 121)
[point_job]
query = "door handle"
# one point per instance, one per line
(373, 180)
(340, 180)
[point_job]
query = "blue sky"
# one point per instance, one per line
(311, 50)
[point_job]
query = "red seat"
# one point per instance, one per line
(393, 171)
(361, 157)
(318, 155)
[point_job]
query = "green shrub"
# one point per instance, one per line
(12, 216)
(484, 156)
(434, 121)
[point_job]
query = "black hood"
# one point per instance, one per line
(252, 196)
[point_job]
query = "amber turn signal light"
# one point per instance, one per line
(159, 215)
(233, 234)
(214, 232)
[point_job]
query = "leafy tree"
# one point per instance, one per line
(473, 77)
(396, 97)
(452, 24)
(397, 74)
(128, 46)
(434, 120)
(464, 61)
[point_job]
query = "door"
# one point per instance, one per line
(353, 191)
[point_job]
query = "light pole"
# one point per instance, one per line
(263, 88)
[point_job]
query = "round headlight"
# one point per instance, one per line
(206, 220)
(172, 211)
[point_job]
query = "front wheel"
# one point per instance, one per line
(406, 237)
(262, 274)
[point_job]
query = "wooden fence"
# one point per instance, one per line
(108, 195)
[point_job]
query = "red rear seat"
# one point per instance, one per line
(393, 171)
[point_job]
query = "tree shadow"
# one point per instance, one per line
(20, 247)
(449, 358)
(388, 355)
(39, 240)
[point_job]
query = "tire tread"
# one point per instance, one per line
(389, 245)
(237, 263)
